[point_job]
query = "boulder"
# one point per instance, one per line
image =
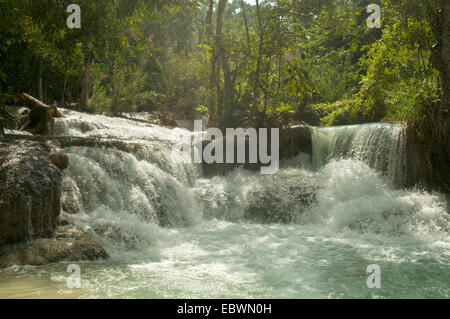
(282, 199)
(59, 159)
(295, 140)
(69, 244)
(30, 188)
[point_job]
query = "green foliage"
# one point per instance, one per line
(275, 63)
(7, 119)
(315, 60)
(394, 73)
(125, 41)
(399, 74)
(346, 112)
(100, 101)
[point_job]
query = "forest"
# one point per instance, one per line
(135, 139)
(262, 63)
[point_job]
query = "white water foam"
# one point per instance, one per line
(309, 231)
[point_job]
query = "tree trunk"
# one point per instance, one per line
(46, 99)
(259, 61)
(228, 88)
(31, 101)
(85, 86)
(212, 76)
(228, 85)
(247, 32)
(63, 97)
(445, 53)
(40, 84)
(200, 30)
(40, 118)
(442, 152)
(268, 72)
(219, 48)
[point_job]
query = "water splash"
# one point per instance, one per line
(381, 146)
(346, 187)
(308, 231)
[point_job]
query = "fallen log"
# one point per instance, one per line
(39, 121)
(31, 101)
(74, 141)
(137, 120)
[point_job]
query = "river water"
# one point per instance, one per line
(309, 231)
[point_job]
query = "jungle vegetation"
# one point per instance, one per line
(241, 62)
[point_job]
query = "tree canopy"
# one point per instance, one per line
(273, 62)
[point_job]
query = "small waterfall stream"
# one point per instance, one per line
(380, 146)
(309, 231)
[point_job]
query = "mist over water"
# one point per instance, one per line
(309, 231)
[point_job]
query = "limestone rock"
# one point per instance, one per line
(71, 196)
(282, 200)
(69, 244)
(60, 159)
(30, 188)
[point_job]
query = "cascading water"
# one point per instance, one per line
(381, 146)
(310, 231)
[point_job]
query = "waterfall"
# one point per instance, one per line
(127, 191)
(308, 231)
(124, 190)
(381, 146)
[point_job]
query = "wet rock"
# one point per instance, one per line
(283, 200)
(419, 165)
(69, 244)
(65, 219)
(30, 188)
(71, 196)
(295, 140)
(60, 159)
